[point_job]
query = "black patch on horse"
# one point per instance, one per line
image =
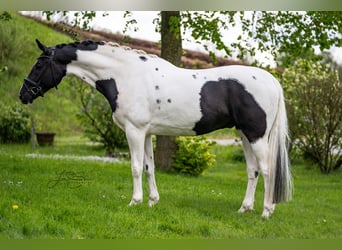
(109, 90)
(226, 103)
(66, 53)
(256, 174)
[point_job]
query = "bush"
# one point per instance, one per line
(192, 156)
(96, 119)
(314, 94)
(237, 154)
(14, 124)
(5, 16)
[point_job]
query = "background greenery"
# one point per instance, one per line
(315, 111)
(57, 110)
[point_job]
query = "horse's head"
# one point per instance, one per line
(47, 73)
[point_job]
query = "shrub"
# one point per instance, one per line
(192, 156)
(5, 16)
(96, 118)
(14, 124)
(237, 154)
(314, 94)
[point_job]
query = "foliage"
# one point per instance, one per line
(208, 26)
(81, 19)
(130, 22)
(193, 156)
(96, 118)
(14, 124)
(293, 34)
(237, 154)
(5, 16)
(315, 112)
(285, 34)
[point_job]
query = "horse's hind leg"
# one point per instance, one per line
(261, 151)
(136, 140)
(253, 173)
(149, 170)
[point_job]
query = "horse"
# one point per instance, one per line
(150, 96)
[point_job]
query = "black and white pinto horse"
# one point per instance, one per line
(149, 96)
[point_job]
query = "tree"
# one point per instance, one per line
(315, 112)
(171, 50)
(285, 34)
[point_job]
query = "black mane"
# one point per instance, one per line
(84, 45)
(66, 52)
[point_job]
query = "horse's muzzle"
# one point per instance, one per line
(25, 97)
(24, 101)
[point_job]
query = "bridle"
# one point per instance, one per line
(34, 86)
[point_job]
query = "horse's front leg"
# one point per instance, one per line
(149, 170)
(136, 139)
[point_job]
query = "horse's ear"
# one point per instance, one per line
(41, 46)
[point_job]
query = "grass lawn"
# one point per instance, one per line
(64, 198)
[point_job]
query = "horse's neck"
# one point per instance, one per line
(92, 66)
(119, 63)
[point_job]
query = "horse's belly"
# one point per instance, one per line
(170, 131)
(174, 123)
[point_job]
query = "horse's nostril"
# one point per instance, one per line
(24, 99)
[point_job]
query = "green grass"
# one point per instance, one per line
(191, 208)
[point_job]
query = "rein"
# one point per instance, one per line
(34, 86)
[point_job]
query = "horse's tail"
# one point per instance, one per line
(280, 175)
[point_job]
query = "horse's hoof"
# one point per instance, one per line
(245, 208)
(153, 201)
(135, 202)
(267, 212)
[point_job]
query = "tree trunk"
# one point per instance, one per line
(171, 50)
